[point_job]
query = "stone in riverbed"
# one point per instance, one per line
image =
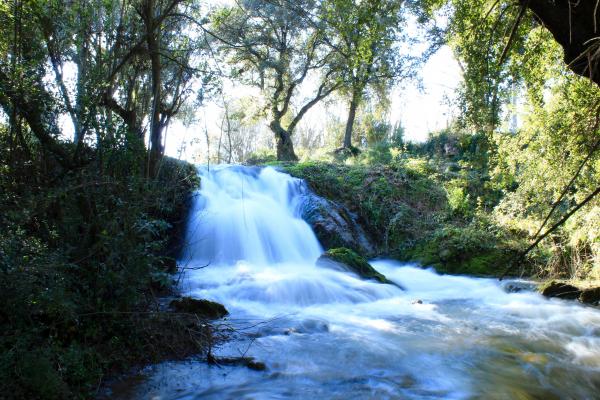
(561, 290)
(247, 362)
(202, 308)
(590, 296)
(347, 260)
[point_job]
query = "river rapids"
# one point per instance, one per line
(326, 334)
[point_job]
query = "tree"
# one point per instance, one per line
(548, 168)
(125, 57)
(363, 35)
(272, 46)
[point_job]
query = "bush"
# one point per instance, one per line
(79, 256)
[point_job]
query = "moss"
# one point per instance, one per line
(356, 263)
(470, 249)
(406, 207)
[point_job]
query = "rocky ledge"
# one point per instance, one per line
(568, 291)
(334, 225)
(345, 259)
(202, 308)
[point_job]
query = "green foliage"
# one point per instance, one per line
(424, 209)
(79, 256)
(366, 37)
(540, 162)
(273, 46)
(479, 248)
(261, 157)
(397, 203)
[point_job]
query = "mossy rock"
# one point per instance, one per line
(561, 290)
(202, 308)
(353, 262)
(590, 296)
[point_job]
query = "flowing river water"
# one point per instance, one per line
(326, 334)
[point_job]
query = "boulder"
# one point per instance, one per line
(519, 286)
(347, 260)
(202, 308)
(590, 296)
(561, 290)
(334, 225)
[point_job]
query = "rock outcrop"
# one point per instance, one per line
(564, 290)
(334, 225)
(561, 290)
(345, 259)
(202, 308)
(590, 296)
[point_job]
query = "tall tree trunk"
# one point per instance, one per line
(228, 134)
(350, 122)
(152, 39)
(285, 147)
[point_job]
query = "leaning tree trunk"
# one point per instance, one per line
(350, 122)
(285, 147)
(575, 25)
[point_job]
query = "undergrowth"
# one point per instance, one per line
(83, 256)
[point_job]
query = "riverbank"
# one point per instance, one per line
(85, 259)
(399, 330)
(412, 214)
(416, 211)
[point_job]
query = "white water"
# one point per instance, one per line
(326, 334)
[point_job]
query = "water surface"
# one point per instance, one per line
(327, 334)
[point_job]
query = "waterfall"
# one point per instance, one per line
(324, 333)
(249, 214)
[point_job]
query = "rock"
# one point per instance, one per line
(590, 296)
(450, 149)
(519, 286)
(334, 225)
(417, 302)
(202, 308)
(247, 362)
(347, 260)
(561, 290)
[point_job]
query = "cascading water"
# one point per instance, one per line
(328, 334)
(249, 214)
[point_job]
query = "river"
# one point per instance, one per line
(326, 334)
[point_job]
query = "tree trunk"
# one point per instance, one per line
(152, 39)
(575, 26)
(350, 122)
(285, 147)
